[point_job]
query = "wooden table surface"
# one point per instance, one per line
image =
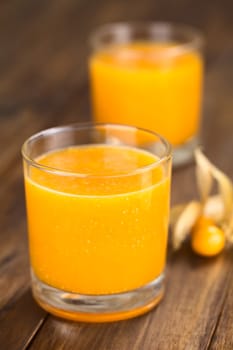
(43, 83)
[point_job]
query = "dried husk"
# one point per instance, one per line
(226, 192)
(228, 229)
(185, 222)
(205, 171)
(204, 176)
(218, 207)
(214, 208)
(175, 213)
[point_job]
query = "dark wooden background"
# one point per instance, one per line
(43, 83)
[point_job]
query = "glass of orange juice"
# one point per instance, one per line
(149, 75)
(97, 200)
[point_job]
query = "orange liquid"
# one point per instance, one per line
(142, 84)
(99, 234)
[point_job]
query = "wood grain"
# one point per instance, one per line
(44, 82)
(223, 336)
(27, 316)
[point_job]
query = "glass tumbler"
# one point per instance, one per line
(149, 75)
(97, 199)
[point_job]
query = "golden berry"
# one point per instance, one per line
(204, 221)
(207, 238)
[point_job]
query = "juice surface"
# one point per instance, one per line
(100, 234)
(148, 85)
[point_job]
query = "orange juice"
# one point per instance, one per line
(149, 85)
(102, 233)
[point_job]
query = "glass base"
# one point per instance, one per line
(184, 154)
(98, 308)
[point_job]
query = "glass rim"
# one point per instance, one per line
(194, 40)
(82, 126)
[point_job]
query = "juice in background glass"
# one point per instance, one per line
(149, 75)
(97, 221)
